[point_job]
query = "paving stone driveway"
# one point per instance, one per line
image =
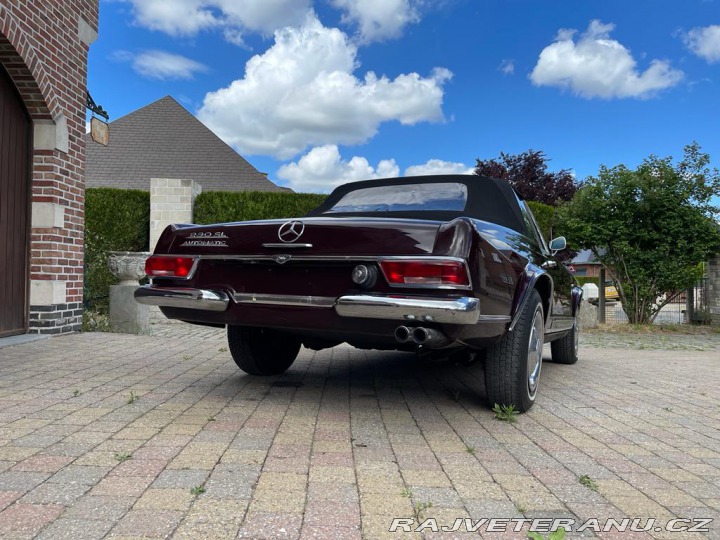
(109, 435)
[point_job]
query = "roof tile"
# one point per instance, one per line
(163, 140)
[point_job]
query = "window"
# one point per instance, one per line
(532, 228)
(445, 196)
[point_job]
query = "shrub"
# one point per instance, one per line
(115, 220)
(222, 207)
(582, 280)
(545, 217)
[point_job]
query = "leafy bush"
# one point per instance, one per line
(221, 207)
(655, 224)
(582, 280)
(115, 220)
(545, 217)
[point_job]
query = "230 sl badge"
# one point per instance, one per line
(206, 238)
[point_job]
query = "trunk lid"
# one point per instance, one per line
(343, 237)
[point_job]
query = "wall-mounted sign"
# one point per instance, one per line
(99, 131)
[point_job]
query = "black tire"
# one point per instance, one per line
(262, 351)
(507, 365)
(565, 350)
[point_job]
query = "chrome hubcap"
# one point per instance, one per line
(534, 357)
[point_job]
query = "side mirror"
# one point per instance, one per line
(558, 244)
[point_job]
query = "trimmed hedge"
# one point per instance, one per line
(582, 280)
(119, 220)
(223, 207)
(115, 220)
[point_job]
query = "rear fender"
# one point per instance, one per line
(534, 277)
(165, 242)
(454, 238)
(577, 294)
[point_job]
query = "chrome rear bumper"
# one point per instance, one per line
(203, 300)
(456, 311)
(464, 310)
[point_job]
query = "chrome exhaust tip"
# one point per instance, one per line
(402, 334)
(429, 337)
(420, 335)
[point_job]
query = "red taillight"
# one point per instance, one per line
(180, 267)
(426, 273)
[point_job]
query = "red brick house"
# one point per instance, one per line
(43, 75)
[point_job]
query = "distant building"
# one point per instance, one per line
(586, 265)
(163, 140)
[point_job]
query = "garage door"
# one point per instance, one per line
(14, 209)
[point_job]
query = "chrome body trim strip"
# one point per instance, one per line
(284, 300)
(318, 258)
(463, 310)
(187, 298)
(494, 319)
(276, 245)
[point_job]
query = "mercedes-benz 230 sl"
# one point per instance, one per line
(455, 264)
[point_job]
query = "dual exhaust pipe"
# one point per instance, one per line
(427, 337)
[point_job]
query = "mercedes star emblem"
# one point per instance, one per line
(291, 231)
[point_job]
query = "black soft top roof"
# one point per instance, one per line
(489, 199)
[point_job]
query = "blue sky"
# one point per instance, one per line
(319, 92)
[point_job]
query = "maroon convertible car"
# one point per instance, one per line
(449, 263)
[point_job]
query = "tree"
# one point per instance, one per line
(650, 227)
(528, 174)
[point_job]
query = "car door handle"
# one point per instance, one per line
(549, 264)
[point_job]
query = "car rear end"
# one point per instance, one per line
(373, 282)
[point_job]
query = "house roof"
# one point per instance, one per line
(585, 257)
(163, 140)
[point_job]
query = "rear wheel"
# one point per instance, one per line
(262, 351)
(512, 366)
(565, 350)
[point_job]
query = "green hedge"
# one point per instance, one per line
(115, 220)
(222, 207)
(119, 220)
(582, 280)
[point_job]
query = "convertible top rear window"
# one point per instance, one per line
(447, 196)
(439, 198)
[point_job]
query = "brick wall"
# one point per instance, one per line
(43, 47)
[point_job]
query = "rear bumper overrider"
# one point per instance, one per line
(463, 310)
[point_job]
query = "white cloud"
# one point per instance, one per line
(438, 166)
(507, 67)
(378, 20)
(188, 17)
(599, 67)
(302, 92)
(161, 65)
(177, 18)
(322, 169)
(705, 42)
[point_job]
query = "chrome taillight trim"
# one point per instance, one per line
(421, 259)
(193, 268)
(336, 258)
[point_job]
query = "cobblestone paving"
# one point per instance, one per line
(669, 340)
(116, 436)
